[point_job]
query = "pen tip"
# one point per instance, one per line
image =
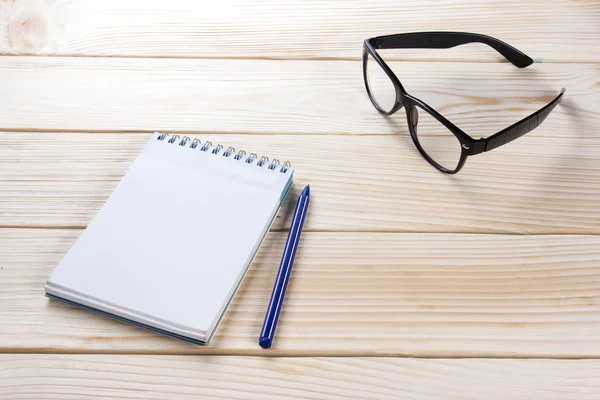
(306, 190)
(265, 343)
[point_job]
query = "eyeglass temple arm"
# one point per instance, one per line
(446, 40)
(522, 127)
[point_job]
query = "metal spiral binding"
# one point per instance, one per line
(239, 155)
(274, 164)
(230, 150)
(262, 161)
(207, 146)
(251, 158)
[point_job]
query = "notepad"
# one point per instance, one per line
(171, 245)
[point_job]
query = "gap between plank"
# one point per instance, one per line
(210, 132)
(313, 230)
(283, 58)
(183, 132)
(272, 353)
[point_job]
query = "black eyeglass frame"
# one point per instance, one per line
(445, 40)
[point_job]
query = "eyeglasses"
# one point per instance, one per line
(439, 141)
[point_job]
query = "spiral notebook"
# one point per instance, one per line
(171, 245)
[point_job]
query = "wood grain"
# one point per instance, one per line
(180, 377)
(369, 294)
(371, 283)
(556, 31)
(536, 184)
(282, 97)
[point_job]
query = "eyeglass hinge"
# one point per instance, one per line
(377, 43)
(478, 146)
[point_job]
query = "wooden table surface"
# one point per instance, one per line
(409, 284)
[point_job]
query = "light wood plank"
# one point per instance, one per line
(536, 184)
(368, 294)
(266, 96)
(179, 377)
(554, 31)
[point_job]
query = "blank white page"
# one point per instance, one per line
(172, 243)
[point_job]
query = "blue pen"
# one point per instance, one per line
(285, 270)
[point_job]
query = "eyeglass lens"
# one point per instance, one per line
(381, 87)
(437, 141)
